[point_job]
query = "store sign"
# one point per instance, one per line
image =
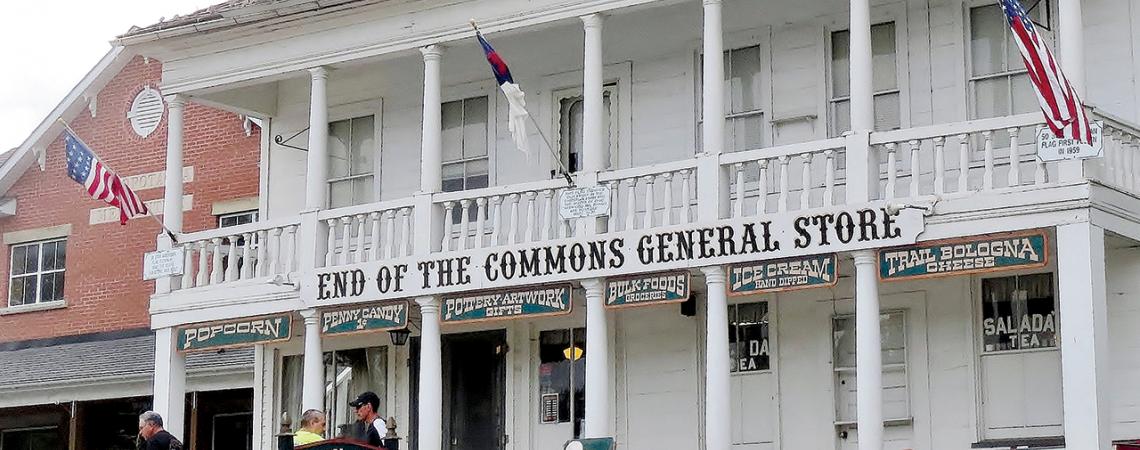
(1052, 148)
(163, 263)
(374, 317)
(593, 201)
(647, 289)
(234, 333)
(685, 246)
(493, 305)
(782, 275)
(988, 253)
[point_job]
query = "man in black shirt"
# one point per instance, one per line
(150, 429)
(367, 407)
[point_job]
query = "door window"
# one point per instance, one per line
(562, 377)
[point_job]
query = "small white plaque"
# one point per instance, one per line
(584, 202)
(1052, 148)
(163, 263)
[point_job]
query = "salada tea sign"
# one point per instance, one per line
(234, 333)
(647, 289)
(783, 274)
(1005, 251)
(492, 305)
(363, 318)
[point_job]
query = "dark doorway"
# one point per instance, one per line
(474, 378)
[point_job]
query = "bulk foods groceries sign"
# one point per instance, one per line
(722, 242)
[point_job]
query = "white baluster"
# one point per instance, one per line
(231, 260)
(738, 205)
(783, 199)
(330, 252)
(1130, 156)
(513, 231)
(667, 202)
(375, 217)
(445, 245)
(480, 220)
(630, 202)
(345, 240)
(988, 146)
(405, 232)
(1014, 158)
(686, 196)
(361, 236)
(829, 179)
(762, 188)
(649, 206)
(530, 215)
(548, 213)
(963, 162)
(274, 251)
(290, 254)
(892, 177)
(246, 256)
(262, 253)
(216, 261)
(805, 181)
(496, 220)
(1118, 160)
(612, 219)
(915, 168)
(939, 165)
(188, 266)
(464, 223)
(203, 261)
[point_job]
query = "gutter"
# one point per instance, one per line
(217, 21)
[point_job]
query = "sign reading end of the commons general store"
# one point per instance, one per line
(234, 333)
(363, 318)
(1005, 251)
(494, 305)
(646, 289)
(786, 274)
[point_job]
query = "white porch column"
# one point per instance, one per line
(431, 152)
(172, 196)
(313, 366)
(595, 157)
(862, 169)
(712, 89)
(718, 410)
(1072, 38)
(316, 180)
(430, 434)
(170, 382)
(599, 379)
(1084, 335)
(868, 356)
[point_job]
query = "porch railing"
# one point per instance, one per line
(786, 178)
(657, 195)
(255, 250)
(501, 215)
(1118, 166)
(368, 232)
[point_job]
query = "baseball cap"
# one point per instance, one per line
(368, 397)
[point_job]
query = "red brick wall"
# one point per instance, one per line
(103, 287)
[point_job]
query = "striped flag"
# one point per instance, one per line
(516, 101)
(100, 181)
(1063, 110)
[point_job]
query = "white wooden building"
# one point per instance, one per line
(394, 179)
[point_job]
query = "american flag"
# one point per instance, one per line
(100, 181)
(1063, 110)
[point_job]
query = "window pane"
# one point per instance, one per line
(363, 148)
(841, 117)
(987, 40)
(749, 337)
(452, 177)
(883, 57)
(453, 130)
(579, 375)
(19, 253)
(30, 290)
(61, 255)
(362, 190)
(743, 79)
(32, 259)
(1024, 98)
(340, 193)
(843, 340)
(575, 128)
(59, 276)
(887, 116)
(840, 64)
(991, 97)
(555, 354)
(893, 329)
(48, 256)
(745, 132)
(1018, 313)
(340, 133)
(477, 174)
(475, 127)
(47, 287)
(16, 292)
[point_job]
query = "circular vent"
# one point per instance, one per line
(146, 112)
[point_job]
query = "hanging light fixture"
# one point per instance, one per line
(400, 337)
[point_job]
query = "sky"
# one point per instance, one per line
(47, 47)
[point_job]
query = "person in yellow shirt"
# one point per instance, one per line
(312, 428)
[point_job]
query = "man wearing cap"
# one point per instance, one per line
(367, 407)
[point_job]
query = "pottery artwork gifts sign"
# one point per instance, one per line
(507, 304)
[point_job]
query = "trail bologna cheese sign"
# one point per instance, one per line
(772, 236)
(1006, 251)
(782, 275)
(234, 333)
(372, 317)
(493, 305)
(645, 289)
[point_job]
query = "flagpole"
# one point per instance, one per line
(171, 234)
(550, 147)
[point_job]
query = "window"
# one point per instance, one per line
(352, 150)
(1020, 363)
(999, 82)
(347, 374)
(571, 106)
(884, 85)
(235, 219)
(36, 274)
(30, 438)
(744, 120)
(896, 401)
(748, 337)
(562, 377)
(465, 162)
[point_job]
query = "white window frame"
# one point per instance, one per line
(356, 110)
(971, 80)
(756, 37)
(490, 135)
(561, 85)
(771, 337)
(610, 89)
(879, 15)
(493, 94)
(903, 367)
(253, 213)
(38, 274)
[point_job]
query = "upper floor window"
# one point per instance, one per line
(571, 106)
(744, 113)
(352, 152)
(999, 83)
(36, 272)
(465, 161)
(235, 219)
(884, 84)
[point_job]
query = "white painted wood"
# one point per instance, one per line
(599, 416)
(595, 156)
(313, 367)
(868, 356)
(169, 399)
(431, 377)
(431, 152)
(717, 389)
(1014, 158)
(316, 176)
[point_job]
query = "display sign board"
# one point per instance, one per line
(364, 318)
(163, 263)
(1052, 148)
(494, 305)
(550, 408)
(801, 272)
(234, 333)
(683, 246)
(647, 289)
(593, 201)
(987, 253)
(606, 443)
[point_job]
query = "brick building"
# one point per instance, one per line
(76, 349)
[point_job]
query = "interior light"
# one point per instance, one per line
(573, 352)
